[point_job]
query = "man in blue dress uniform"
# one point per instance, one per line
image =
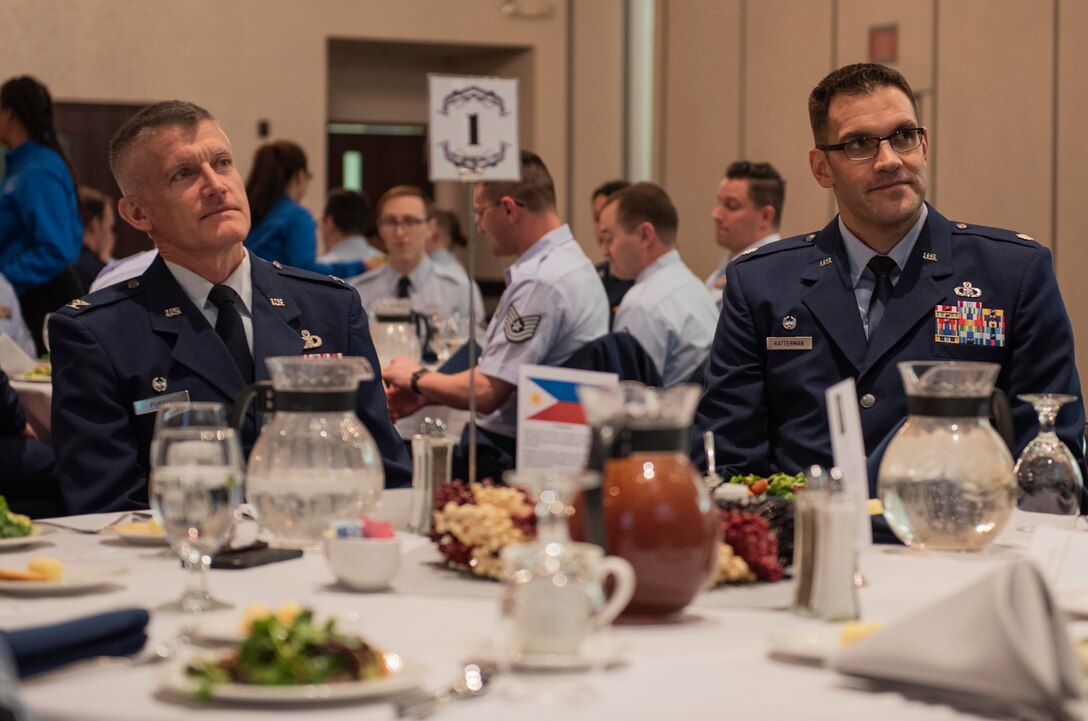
(888, 280)
(197, 325)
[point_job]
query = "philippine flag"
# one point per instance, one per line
(556, 401)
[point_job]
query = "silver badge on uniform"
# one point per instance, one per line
(519, 329)
(150, 405)
(309, 340)
(78, 303)
(159, 384)
(968, 291)
(789, 322)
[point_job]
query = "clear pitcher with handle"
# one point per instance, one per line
(314, 460)
(396, 330)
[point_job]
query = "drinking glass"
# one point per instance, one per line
(1047, 473)
(448, 333)
(195, 486)
(554, 490)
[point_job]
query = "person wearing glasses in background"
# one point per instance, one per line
(888, 280)
(404, 225)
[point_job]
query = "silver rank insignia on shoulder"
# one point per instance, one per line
(825, 261)
(159, 384)
(277, 302)
(810, 237)
(338, 280)
(133, 283)
(747, 251)
(310, 341)
(929, 256)
(968, 291)
(789, 322)
(78, 303)
(277, 265)
(1024, 236)
(517, 328)
(172, 312)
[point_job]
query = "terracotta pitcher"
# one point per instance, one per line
(651, 509)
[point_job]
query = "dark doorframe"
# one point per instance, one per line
(385, 154)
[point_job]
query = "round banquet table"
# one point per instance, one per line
(712, 664)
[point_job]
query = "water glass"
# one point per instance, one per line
(195, 487)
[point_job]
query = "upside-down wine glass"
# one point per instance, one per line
(1047, 473)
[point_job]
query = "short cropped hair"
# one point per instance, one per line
(535, 191)
(92, 204)
(146, 120)
(607, 188)
(401, 191)
(451, 224)
(349, 210)
(856, 79)
(765, 185)
(646, 203)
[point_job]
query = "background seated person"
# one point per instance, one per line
(343, 228)
(197, 325)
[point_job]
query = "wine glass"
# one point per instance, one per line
(554, 490)
(1047, 473)
(448, 333)
(195, 486)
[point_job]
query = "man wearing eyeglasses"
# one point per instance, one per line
(552, 306)
(404, 224)
(888, 280)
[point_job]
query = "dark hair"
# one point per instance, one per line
(401, 191)
(765, 185)
(349, 210)
(535, 191)
(92, 204)
(451, 224)
(609, 187)
(856, 79)
(274, 165)
(167, 113)
(31, 103)
(646, 203)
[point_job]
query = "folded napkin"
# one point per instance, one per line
(1000, 643)
(44, 648)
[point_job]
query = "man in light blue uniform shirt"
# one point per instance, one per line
(343, 228)
(667, 310)
(553, 305)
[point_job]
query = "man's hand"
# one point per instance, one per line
(402, 403)
(28, 432)
(398, 373)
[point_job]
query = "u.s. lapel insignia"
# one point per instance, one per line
(825, 261)
(277, 302)
(929, 256)
(789, 322)
(172, 312)
(310, 341)
(968, 291)
(517, 328)
(78, 303)
(159, 384)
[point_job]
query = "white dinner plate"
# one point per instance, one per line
(813, 645)
(229, 627)
(137, 534)
(407, 676)
(75, 579)
(609, 653)
(36, 532)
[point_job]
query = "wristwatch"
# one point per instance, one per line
(415, 380)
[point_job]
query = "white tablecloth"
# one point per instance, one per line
(711, 665)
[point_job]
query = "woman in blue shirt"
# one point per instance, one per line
(40, 230)
(282, 229)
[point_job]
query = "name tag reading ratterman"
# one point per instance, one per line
(150, 405)
(796, 342)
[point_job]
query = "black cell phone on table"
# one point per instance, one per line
(258, 554)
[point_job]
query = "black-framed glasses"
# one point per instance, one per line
(902, 141)
(478, 213)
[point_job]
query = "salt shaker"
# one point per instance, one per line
(432, 456)
(825, 557)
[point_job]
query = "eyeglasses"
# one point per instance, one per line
(901, 141)
(408, 222)
(478, 213)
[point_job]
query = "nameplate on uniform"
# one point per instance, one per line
(795, 342)
(150, 405)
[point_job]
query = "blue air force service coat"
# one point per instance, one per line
(144, 339)
(791, 327)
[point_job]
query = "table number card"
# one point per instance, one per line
(474, 128)
(552, 428)
(848, 450)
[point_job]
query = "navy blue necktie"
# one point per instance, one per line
(882, 267)
(229, 327)
(402, 287)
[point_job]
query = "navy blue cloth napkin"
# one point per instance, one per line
(44, 648)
